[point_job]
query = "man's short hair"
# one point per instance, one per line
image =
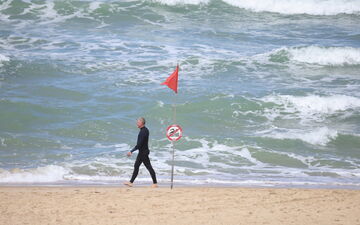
(142, 119)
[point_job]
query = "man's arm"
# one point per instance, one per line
(140, 141)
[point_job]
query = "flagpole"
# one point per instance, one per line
(172, 83)
(173, 144)
(174, 110)
(172, 165)
(174, 105)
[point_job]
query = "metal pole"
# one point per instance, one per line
(173, 145)
(172, 165)
(174, 109)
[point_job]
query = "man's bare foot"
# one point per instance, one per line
(129, 184)
(154, 186)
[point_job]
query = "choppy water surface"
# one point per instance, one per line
(268, 90)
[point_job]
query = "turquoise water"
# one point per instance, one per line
(268, 91)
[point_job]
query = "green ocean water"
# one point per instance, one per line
(268, 93)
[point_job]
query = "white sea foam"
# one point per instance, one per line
(181, 2)
(160, 103)
(313, 106)
(121, 146)
(263, 183)
(326, 56)
(4, 58)
(91, 178)
(5, 4)
(50, 15)
(245, 153)
(49, 11)
(311, 7)
(2, 142)
(201, 155)
(94, 5)
(50, 173)
(319, 136)
(109, 169)
(222, 96)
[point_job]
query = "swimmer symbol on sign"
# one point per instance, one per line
(174, 132)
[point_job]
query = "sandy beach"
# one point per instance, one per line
(185, 205)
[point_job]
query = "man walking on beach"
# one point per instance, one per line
(143, 155)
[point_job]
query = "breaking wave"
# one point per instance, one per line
(311, 7)
(325, 56)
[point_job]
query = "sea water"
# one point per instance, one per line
(269, 91)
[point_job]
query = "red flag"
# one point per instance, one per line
(172, 80)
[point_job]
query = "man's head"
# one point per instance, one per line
(140, 122)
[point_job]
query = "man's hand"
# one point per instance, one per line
(129, 154)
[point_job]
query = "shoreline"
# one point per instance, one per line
(181, 205)
(180, 186)
(187, 185)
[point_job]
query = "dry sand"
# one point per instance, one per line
(185, 205)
